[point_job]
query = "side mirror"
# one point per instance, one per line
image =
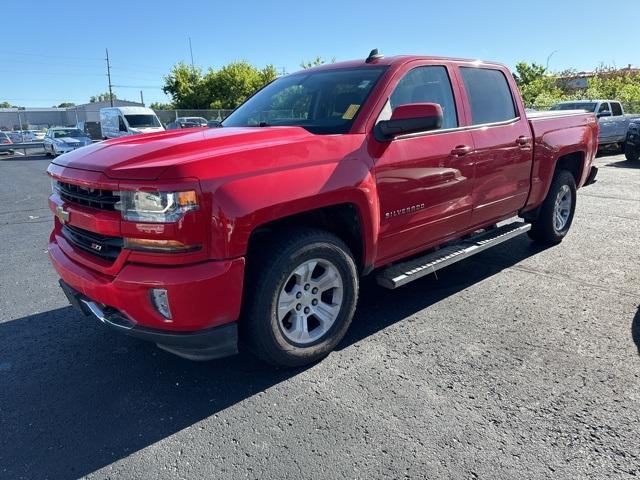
(411, 118)
(604, 114)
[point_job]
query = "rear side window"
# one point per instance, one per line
(616, 109)
(489, 95)
(427, 85)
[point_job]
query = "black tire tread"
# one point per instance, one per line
(267, 262)
(542, 230)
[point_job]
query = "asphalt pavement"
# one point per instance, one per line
(521, 362)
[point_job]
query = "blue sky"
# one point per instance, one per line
(57, 53)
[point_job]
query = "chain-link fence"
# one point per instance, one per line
(168, 116)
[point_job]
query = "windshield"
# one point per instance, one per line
(142, 121)
(588, 106)
(323, 102)
(72, 132)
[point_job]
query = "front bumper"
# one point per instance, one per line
(203, 298)
(206, 344)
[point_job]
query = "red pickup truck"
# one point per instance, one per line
(259, 231)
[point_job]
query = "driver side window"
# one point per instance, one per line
(604, 107)
(429, 84)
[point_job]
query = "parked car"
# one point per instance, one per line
(611, 118)
(177, 124)
(121, 121)
(187, 122)
(632, 145)
(59, 140)
(4, 141)
(322, 177)
(18, 136)
(201, 122)
(38, 135)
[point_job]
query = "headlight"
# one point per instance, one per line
(156, 207)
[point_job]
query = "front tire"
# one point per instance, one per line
(556, 213)
(302, 292)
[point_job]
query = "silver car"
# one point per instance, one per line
(59, 140)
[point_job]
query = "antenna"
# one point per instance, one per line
(373, 56)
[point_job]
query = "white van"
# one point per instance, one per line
(120, 121)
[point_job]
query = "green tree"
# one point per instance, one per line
(161, 106)
(609, 83)
(226, 88)
(101, 97)
(5, 105)
(235, 82)
(538, 87)
(185, 85)
(66, 105)
(315, 62)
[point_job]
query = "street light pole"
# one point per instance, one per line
(549, 58)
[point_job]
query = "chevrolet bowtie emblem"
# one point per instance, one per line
(62, 214)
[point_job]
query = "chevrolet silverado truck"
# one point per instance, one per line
(614, 123)
(258, 232)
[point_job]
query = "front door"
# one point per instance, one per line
(424, 180)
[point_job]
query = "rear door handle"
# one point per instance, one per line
(461, 150)
(523, 141)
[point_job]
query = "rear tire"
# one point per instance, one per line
(302, 290)
(557, 210)
(632, 153)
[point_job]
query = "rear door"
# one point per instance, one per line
(502, 141)
(620, 123)
(424, 179)
(606, 123)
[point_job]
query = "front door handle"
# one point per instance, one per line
(461, 150)
(523, 141)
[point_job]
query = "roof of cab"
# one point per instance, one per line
(396, 60)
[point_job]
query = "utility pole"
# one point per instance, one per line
(141, 98)
(191, 52)
(109, 76)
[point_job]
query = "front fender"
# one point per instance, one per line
(241, 205)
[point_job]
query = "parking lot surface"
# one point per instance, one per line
(521, 362)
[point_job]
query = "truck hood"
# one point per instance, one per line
(147, 157)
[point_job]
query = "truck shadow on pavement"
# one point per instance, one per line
(76, 397)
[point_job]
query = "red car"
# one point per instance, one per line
(260, 231)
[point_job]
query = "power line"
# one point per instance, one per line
(11, 52)
(44, 72)
(137, 86)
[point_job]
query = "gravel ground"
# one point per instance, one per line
(518, 363)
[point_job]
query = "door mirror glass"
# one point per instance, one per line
(411, 118)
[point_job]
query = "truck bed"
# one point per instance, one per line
(555, 134)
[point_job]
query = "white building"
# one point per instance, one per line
(12, 118)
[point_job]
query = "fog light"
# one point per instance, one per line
(160, 300)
